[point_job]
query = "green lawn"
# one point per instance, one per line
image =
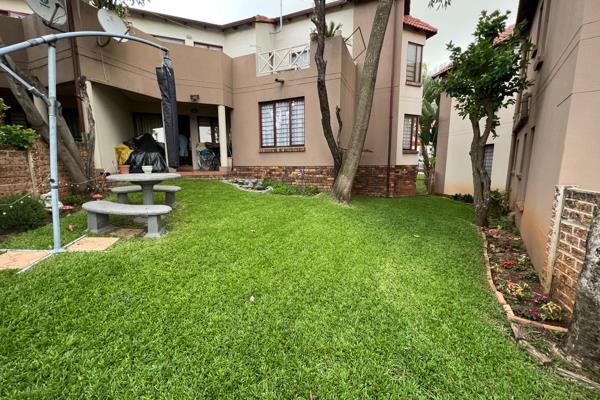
(387, 299)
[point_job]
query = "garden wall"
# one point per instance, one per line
(573, 212)
(370, 179)
(21, 173)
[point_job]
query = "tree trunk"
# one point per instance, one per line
(90, 133)
(342, 188)
(321, 26)
(481, 179)
(583, 340)
(427, 168)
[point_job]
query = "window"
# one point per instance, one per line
(541, 32)
(170, 39)
(146, 123)
(208, 130)
(208, 46)
(415, 60)
(410, 132)
(282, 123)
(523, 154)
(488, 158)
(300, 59)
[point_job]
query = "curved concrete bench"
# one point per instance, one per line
(122, 193)
(98, 212)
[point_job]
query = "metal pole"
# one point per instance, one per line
(53, 146)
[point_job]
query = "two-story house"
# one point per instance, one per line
(246, 89)
(554, 161)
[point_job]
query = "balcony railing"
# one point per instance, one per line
(287, 59)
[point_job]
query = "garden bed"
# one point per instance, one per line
(515, 278)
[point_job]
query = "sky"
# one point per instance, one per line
(456, 23)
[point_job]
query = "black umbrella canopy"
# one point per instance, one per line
(166, 83)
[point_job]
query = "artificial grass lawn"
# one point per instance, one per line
(386, 299)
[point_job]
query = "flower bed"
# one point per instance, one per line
(514, 276)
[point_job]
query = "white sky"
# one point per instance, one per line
(455, 23)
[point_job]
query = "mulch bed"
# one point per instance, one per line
(515, 277)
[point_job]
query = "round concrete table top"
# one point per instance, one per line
(143, 177)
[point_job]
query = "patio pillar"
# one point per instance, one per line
(223, 138)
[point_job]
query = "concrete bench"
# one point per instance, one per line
(122, 193)
(98, 212)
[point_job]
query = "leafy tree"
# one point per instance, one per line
(484, 78)
(429, 122)
(118, 6)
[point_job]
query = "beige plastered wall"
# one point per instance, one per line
(114, 123)
(410, 97)
(454, 144)
(565, 98)
(250, 90)
(388, 87)
(15, 5)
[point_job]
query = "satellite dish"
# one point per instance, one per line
(51, 11)
(112, 23)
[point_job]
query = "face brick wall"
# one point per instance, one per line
(16, 176)
(370, 179)
(576, 213)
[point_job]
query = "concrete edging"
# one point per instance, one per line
(510, 315)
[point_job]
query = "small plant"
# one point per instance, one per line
(21, 213)
(73, 200)
(290, 190)
(465, 198)
(17, 137)
(515, 290)
(499, 206)
(552, 311)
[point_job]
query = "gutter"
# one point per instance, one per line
(391, 109)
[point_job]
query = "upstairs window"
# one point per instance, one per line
(300, 59)
(414, 63)
(410, 132)
(488, 158)
(282, 123)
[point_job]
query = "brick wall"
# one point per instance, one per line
(370, 180)
(575, 213)
(17, 177)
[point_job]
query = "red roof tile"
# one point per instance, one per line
(420, 25)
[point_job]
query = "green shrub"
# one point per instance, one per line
(465, 198)
(21, 213)
(17, 137)
(287, 189)
(73, 200)
(499, 206)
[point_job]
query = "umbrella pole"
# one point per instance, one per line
(52, 110)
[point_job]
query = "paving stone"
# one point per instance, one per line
(15, 259)
(93, 244)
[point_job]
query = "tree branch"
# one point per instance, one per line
(321, 28)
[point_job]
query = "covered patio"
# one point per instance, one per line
(121, 115)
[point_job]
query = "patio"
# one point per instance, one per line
(253, 296)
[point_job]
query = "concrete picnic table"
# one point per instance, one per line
(146, 181)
